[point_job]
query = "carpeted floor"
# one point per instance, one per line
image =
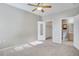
(41, 48)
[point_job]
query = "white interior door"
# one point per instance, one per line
(41, 30)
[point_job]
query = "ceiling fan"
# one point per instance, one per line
(39, 6)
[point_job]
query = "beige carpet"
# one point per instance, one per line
(45, 48)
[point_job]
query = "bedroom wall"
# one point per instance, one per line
(16, 26)
(76, 32)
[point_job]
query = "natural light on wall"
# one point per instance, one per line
(70, 20)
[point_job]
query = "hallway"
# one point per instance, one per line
(45, 48)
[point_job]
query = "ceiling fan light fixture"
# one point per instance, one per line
(39, 8)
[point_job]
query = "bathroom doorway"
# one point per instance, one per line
(67, 31)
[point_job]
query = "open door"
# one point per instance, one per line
(67, 31)
(41, 30)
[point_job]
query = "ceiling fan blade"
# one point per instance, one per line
(32, 5)
(38, 5)
(34, 9)
(42, 10)
(46, 6)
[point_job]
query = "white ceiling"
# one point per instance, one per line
(56, 7)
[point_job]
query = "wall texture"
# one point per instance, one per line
(57, 33)
(16, 26)
(76, 32)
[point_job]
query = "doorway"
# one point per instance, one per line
(48, 30)
(45, 30)
(67, 31)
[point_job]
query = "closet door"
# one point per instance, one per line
(41, 30)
